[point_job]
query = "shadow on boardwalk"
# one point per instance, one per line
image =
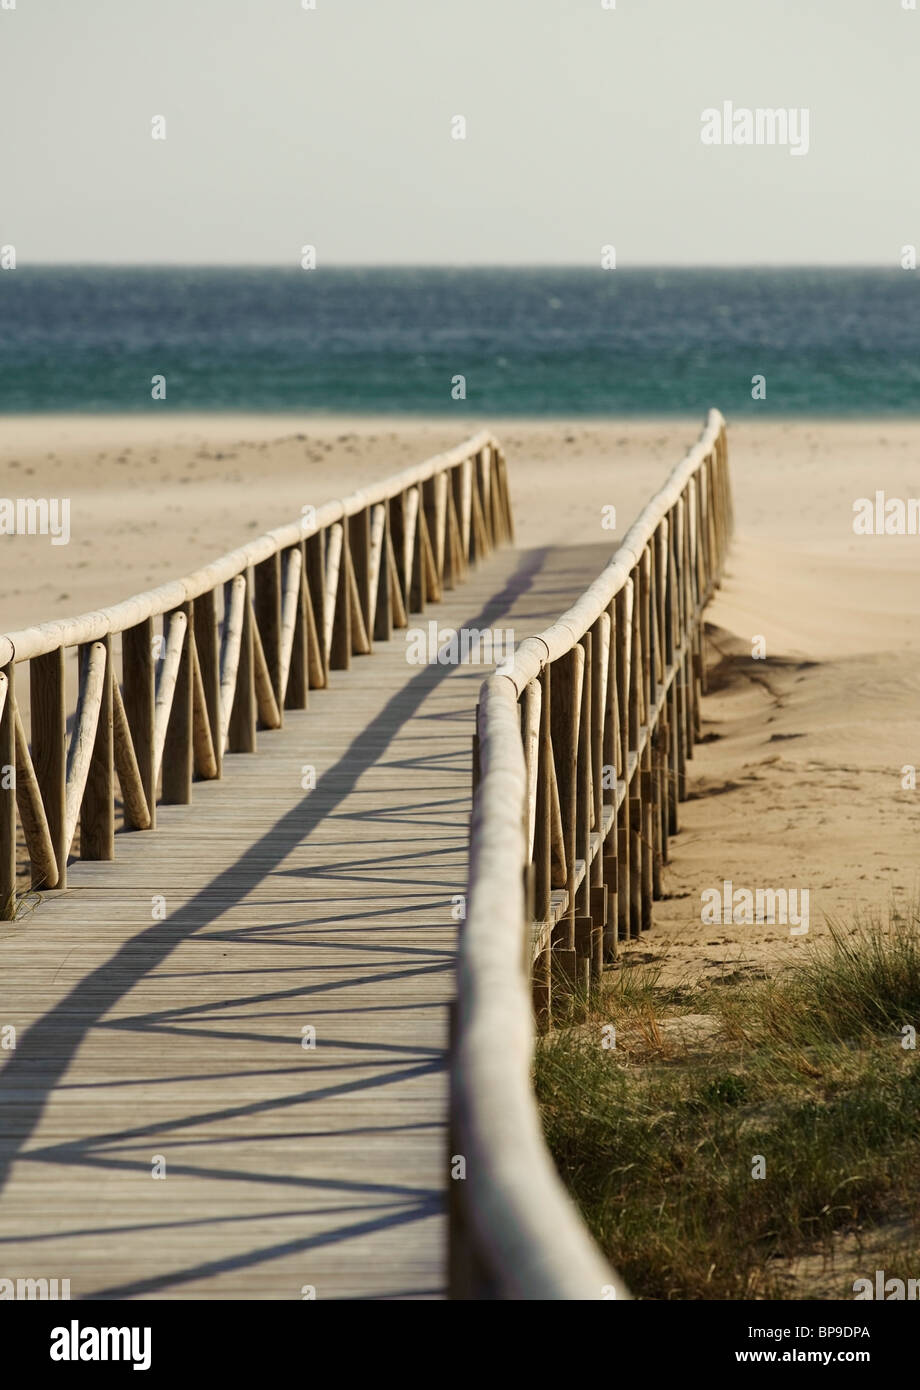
(531, 591)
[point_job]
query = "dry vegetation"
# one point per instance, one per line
(657, 1137)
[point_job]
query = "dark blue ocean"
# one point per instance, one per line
(528, 342)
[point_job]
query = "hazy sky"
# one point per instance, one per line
(333, 127)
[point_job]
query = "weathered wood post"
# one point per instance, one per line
(266, 603)
(542, 856)
(47, 697)
(207, 652)
(584, 799)
(97, 812)
(242, 729)
(7, 793)
(178, 747)
(568, 679)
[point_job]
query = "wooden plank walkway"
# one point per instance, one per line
(142, 1040)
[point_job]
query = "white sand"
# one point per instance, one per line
(805, 771)
(152, 499)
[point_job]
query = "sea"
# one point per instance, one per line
(481, 342)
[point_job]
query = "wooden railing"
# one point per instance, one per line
(203, 662)
(579, 766)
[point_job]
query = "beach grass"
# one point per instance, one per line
(809, 1077)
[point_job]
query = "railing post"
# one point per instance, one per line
(49, 747)
(207, 645)
(359, 538)
(139, 679)
(297, 694)
(97, 812)
(566, 717)
(653, 830)
(542, 850)
(383, 603)
(505, 494)
(340, 648)
(267, 609)
(499, 527)
(177, 764)
(673, 637)
(610, 760)
(397, 520)
(691, 673)
(459, 481)
(542, 984)
(484, 481)
(647, 788)
(600, 670)
(636, 848)
(8, 793)
(418, 582)
(428, 513)
(315, 573)
(584, 948)
(624, 700)
(241, 734)
(479, 541)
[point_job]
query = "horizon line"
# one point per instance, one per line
(455, 266)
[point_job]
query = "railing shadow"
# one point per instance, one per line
(48, 1047)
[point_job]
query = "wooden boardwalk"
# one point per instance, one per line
(145, 1041)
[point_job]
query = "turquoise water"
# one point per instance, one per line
(528, 342)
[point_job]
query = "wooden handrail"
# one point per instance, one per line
(297, 602)
(580, 756)
(89, 627)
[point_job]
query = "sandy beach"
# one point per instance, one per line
(799, 781)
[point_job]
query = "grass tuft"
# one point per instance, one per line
(806, 1076)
